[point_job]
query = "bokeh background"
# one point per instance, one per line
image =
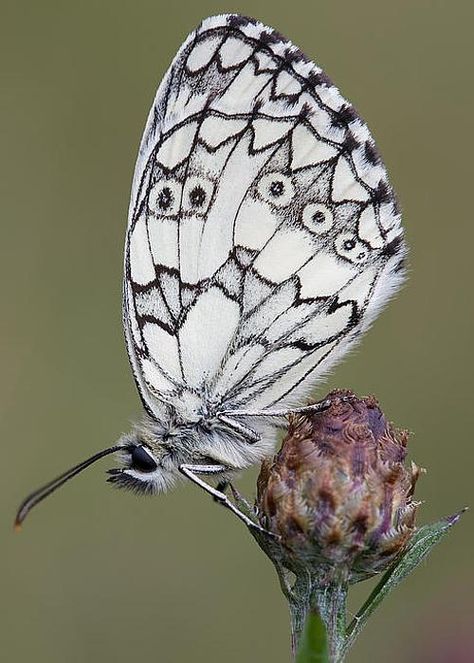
(98, 575)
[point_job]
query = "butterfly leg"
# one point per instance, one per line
(192, 471)
(221, 488)
(247, 433)
(238, 497)
(320, 406)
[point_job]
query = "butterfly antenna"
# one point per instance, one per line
(38, 495)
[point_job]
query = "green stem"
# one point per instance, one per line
(313, 647)
(298, 613)
(331, 603)
(318, 619)
(299, 604)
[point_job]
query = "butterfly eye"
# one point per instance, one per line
(350, 247)
(317, 217)
(142, 460)
(164, 198)
(276, 189)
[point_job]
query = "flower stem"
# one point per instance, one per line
(331, 603)
(313, 647)
(318, 619)
(299, 603)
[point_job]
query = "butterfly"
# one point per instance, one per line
(263, 238)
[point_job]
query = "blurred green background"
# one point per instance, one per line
(98, 575)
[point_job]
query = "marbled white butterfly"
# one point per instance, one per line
(263, 239)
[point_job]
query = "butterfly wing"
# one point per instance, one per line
(263, 234)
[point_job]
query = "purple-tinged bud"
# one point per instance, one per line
(339, 493)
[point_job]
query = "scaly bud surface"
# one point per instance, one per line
(339, 493)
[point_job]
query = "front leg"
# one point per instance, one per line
(192, 471)
(249, 435)
(314, 408)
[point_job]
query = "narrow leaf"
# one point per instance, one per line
(422, 543)
(313, 646)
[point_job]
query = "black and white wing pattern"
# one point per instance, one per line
(263, 233)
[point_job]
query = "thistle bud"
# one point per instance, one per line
(338, 493)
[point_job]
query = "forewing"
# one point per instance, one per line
(263, 234)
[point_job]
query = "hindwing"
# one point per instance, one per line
(263, 233)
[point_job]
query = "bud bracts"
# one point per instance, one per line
(338, 493)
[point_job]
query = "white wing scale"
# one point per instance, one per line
(263, 234)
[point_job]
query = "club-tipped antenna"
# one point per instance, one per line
(38, 495)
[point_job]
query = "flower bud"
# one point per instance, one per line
(338, 493)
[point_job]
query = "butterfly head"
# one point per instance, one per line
(146, 466)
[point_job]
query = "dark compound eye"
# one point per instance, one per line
(165, 198)
(197, 196)
(349, 244)
(142, 460)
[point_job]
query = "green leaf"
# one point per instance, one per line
(313, 645)
(418, 549)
